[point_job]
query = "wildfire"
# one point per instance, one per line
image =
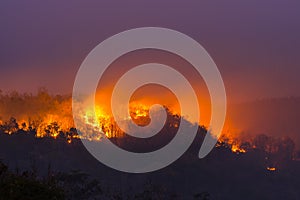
(102, 122)
(237, 149)
(51, 116)
(59, 121)
(233, 142)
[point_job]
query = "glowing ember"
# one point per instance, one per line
(271, 168)
(236, 149)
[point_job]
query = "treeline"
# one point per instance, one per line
(52, 130)
(274, 153)
(36, 110)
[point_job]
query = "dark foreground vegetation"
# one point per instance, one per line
(47, 168)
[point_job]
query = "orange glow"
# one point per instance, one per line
(138, 110)
(233, 141)
(271, 168)
(51, 116)
(236, 149)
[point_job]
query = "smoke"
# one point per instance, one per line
(41, 109)
(273, 117)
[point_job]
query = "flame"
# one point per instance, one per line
(50, 116)
(271, 168)
(237, 149)
(233, 142)
(139, 110)
(58, 120)
(103, 122)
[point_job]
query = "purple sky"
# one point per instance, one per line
(256, 44)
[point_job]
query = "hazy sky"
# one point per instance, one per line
(255, 44)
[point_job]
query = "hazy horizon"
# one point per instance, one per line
(255, 47)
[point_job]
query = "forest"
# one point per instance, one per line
(42, 157)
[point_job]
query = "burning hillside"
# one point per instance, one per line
(45, 115)
(51, 116)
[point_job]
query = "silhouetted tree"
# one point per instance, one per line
(26, 187)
